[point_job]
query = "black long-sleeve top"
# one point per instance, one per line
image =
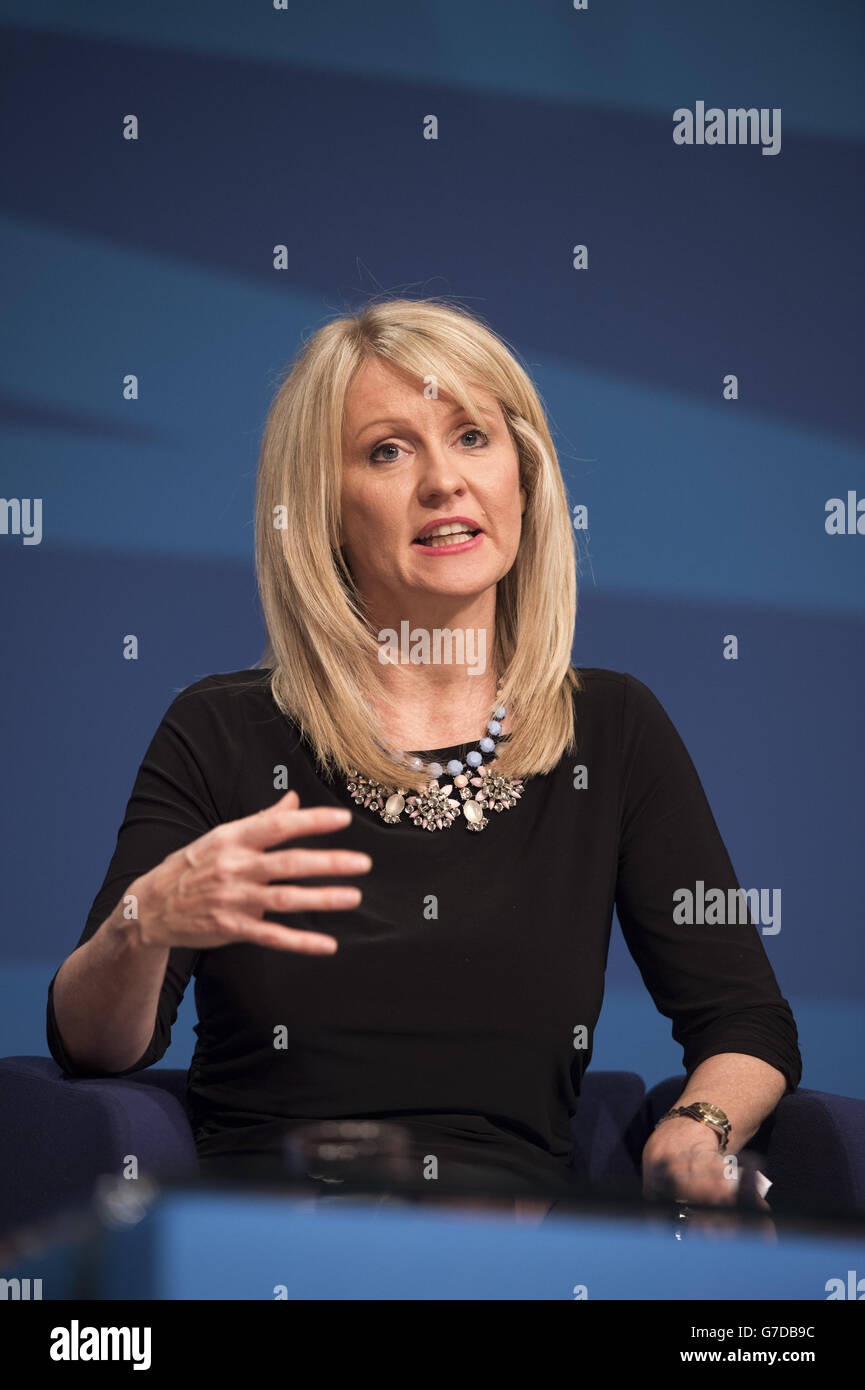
(453, 1002)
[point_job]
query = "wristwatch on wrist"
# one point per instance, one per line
(706, 1114)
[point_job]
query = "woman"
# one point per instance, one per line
(499, 805)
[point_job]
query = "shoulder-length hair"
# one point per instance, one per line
(322, 649)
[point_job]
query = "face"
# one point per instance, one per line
(409, 462)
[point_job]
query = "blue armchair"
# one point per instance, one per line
(60, 1133)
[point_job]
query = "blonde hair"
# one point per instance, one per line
(321, 647)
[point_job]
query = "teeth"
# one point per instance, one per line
(439, 541)
(452, 533)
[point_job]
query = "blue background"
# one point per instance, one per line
(706, 517)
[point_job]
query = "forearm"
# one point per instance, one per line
(746, 1088)
(106, 995)
(683, 1158)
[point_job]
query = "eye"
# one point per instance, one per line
(392, 459)
(483, 436)
(372, 457)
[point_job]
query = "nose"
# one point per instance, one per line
(439, 470)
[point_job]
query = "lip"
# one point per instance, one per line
(454, 548)
(431, 526)
(447, 521)
(438, 550)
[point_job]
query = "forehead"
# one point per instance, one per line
(384, 385)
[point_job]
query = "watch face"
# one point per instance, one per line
(712, 1112)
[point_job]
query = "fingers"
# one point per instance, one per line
(306, 863)
(234, 869)
(309, 943)
(284, 820)
(239, 894)
(695, 1176)
(294, 899)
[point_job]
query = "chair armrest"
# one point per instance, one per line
(606, 1131)
(816, 1152)
(60, 1134)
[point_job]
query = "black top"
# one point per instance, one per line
(453, 1000)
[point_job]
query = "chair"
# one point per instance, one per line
(60, 1133)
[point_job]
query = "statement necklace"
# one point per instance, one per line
(434, 807)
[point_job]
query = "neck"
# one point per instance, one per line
(439, 687)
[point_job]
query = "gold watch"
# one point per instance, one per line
(706, 1114)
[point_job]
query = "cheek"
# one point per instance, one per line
(508, 513)
(358, 505)
(371, 514)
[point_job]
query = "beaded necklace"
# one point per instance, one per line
(434, 806)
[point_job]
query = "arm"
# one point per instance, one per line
(746, 1088)
(714, 981)
(106, 996)
(685, 1155)
(112, 1003)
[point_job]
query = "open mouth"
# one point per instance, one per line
(452, 538)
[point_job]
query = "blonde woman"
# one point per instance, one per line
(470, 806)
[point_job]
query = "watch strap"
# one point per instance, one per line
(696, 1111)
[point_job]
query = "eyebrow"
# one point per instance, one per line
(398, 420)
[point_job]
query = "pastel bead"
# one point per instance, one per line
(487, 745)
(494, 727)
(474, 759)
(455, 766)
